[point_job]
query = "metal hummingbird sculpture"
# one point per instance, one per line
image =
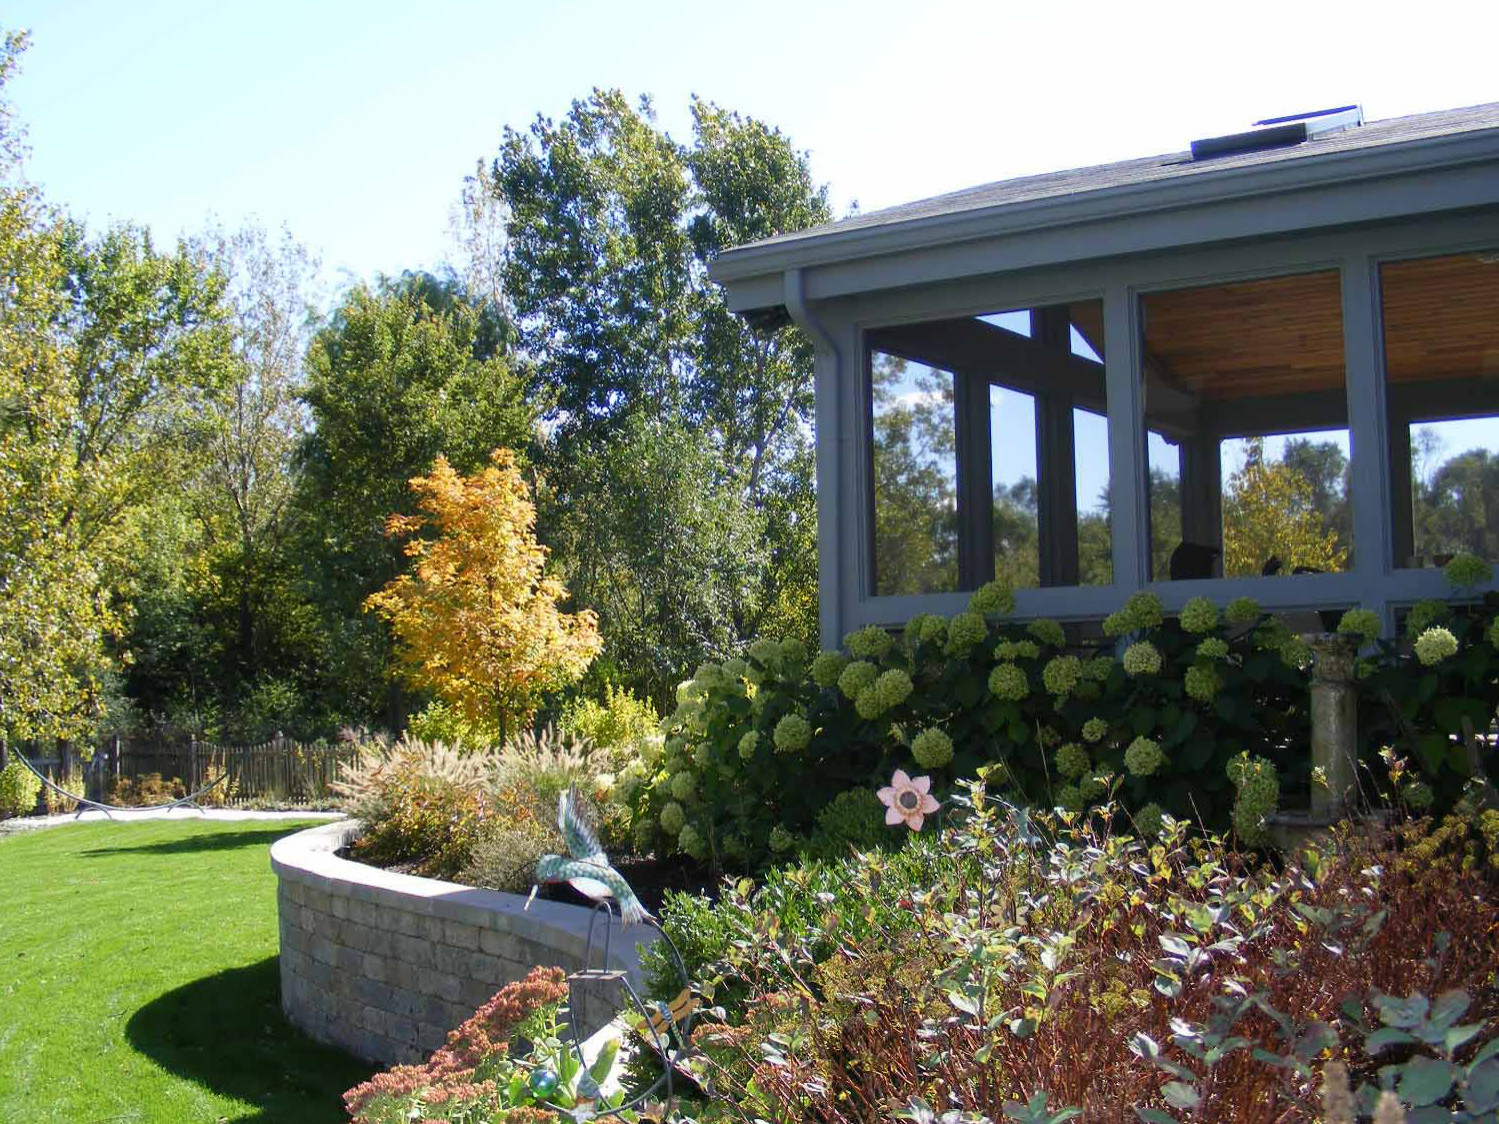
(660, 1025)
(587, 868)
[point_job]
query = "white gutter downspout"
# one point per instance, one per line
(833, 453)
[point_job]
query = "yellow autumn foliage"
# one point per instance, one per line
(475, 618)
(1268, 511)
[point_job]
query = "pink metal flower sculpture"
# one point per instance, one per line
(909, 800)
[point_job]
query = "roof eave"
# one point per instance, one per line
(1312, 171)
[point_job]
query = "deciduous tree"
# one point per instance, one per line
(475, 618)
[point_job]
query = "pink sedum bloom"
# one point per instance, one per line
(908, 800)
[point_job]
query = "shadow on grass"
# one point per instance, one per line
(190, 844)
(226, 1032)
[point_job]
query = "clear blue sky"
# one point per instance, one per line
(355, 123)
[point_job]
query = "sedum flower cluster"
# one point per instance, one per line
(932, 748)
(1142, 658)
(1258, 796)
(1143, 757)
(1435, 645)
(1199, 615)
(1008, 682)
(1363, 623)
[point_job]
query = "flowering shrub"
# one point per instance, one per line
(764, 742)
(1025, 968)
(474, 1078)
(18, 790)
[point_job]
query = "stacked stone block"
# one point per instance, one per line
(385, 965)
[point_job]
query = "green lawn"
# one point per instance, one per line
(138, 980)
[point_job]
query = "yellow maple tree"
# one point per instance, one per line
(1268, 512)
(475, 618)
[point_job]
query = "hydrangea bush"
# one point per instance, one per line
(1154, 719)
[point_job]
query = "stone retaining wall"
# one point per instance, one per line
(385, 964)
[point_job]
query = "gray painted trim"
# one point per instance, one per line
(1128, 463)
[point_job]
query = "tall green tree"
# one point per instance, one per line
(611, 224)
(404, 372)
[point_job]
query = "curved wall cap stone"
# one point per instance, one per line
(385, 964)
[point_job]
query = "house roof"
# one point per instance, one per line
(1129, 175)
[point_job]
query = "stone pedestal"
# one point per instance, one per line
(1334, 723)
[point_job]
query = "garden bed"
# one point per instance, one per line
(385, 964)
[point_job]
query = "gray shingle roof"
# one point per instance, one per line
(1149, 169)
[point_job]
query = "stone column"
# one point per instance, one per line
(1334, 722)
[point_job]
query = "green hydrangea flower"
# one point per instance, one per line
(1094, 729)
(1493, 632)
(1116, 624)
(934, 628)
(1213, 648)
(1467, 570)
(1008, 682)
(781, 840)
(682, 785)
(748, 744)
(1150, 820)
(1199, 615)
(894, 687)
(1418, 794)
(1425, 614)
(735, 668)
(709, 676)
(1048, 632)
(1072, 761)
(1061, 674)
(932, 748)
(690, 840)
(1143, 757)
(869, 643)
(735, 848)
(1242, 610)
(767, 653)
(672, 818)
(964, 631)
(916, 628)
(1435, 645)
(992, 599)
(792, 734)
(869, 704)
(827, 667)
(1296, 652)
(1094, 786)
(1142, 658)
(1100, 668)
(1016, 650)
(1144, 610)
(1363, 623)
(856, 676)
(1201, 683)
(793, 652)
(1046, 737)
(1070, 798)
